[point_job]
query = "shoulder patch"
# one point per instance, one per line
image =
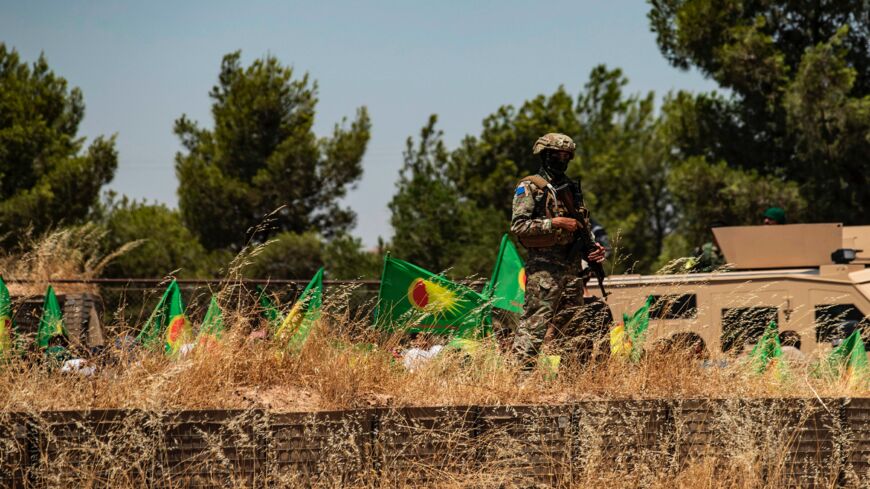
(535, 181)
(521, 190)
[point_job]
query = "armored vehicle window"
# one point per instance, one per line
(744, 324)
(683, 306)
(829, 318)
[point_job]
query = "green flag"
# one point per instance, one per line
(425, 302)
(51, 321)
(297, 325)
(849, 361)
(269, 311)
(7, 326)
(627, 340)
(158, 320)
(167, 326)
(212, 328)
(507, 287)
(767, 350)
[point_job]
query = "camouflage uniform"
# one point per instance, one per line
(707, 258)
(554, 288)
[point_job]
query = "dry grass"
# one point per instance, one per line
(68, 253)
(329, 373)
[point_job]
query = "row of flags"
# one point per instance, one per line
(169, 329)
(417, 300)
(408, 295)
(847, 362)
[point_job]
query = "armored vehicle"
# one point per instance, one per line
(812, 279)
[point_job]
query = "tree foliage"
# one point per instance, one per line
(798, 76)
(166, 245)
(298, 256)
(47, 175)
(346, 259)
(263, 155)
(435, 224)
(288, 255)
(259, 176)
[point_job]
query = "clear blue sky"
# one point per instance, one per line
(141, 64)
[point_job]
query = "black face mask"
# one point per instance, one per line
(553, 163)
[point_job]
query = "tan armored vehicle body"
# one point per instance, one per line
(784, 273)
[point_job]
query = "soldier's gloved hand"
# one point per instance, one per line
(567, 223)
(597, 255)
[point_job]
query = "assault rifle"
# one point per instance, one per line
(583, 243)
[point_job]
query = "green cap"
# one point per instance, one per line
(775, 214)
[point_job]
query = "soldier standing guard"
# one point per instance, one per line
(554, 290)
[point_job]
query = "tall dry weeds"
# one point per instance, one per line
(75, 252)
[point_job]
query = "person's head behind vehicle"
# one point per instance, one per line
(773, 216)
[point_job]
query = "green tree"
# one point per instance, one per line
(47, 176)
(263, 158)
(288, 255)
(298, 256)
(435, 225)
(166, 244)
(798, 103)
(346, 259)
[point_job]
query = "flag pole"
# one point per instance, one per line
(381, 287)
(489, 289)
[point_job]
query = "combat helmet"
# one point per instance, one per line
(554, 141)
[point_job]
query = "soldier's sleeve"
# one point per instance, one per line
(524, 222)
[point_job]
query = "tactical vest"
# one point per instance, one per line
(550, 201)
